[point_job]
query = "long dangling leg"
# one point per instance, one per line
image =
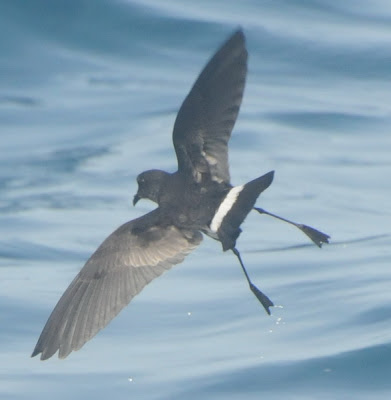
(264, 300)
(316, 236)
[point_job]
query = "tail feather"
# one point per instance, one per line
(229, 228)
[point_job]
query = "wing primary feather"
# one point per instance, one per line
(118, 270)
(207, 116)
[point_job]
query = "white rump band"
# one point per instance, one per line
(224, 208)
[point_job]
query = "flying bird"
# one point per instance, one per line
(197, 199)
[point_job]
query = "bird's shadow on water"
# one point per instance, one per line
(332, 243)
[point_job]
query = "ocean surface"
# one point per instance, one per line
(89, 91)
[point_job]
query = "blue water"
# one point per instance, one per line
(88, 95)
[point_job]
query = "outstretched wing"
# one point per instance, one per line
(207, 116)
(124, 263)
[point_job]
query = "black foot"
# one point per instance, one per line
(316, 236)
(265, 301)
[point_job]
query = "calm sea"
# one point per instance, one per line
(89, 90)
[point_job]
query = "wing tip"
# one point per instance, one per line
(239, 33)
(46, 352)
(238, 36)
(35, 353)
(45, 355)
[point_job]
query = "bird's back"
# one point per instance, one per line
(191, 204)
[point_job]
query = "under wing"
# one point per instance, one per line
(124, 263)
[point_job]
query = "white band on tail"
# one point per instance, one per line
(224, 208)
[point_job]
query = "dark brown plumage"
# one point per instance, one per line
(197, 198)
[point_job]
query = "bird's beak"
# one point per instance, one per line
(136, 198)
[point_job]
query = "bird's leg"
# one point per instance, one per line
(265, 301)
(316, 236)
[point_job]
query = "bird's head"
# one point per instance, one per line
(149, 185)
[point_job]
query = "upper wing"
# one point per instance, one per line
(124, 263)
(207, 116)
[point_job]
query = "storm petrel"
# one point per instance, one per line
(196, 199)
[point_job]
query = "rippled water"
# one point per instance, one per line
(89, 92)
